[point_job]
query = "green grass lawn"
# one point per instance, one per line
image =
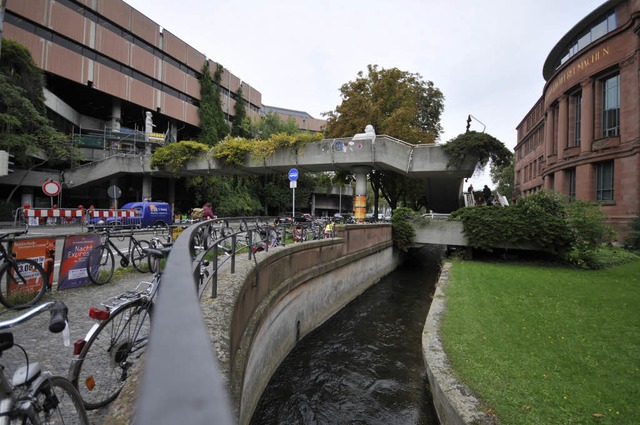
(547, 345)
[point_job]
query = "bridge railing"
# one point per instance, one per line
(182, 381)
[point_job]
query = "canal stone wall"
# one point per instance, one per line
(453, 401)
(265, 308)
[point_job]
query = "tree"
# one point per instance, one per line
(271, 124)
(397, 103)
(478, 147)
(213, 128)
(503, 177)
(25, 130)
(241, 123)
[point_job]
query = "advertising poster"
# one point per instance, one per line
(40, 250)
(73, 267)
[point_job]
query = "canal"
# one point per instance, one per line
(364, 365)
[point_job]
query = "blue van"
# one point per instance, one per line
(148, 214)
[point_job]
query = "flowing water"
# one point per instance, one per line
(364, 365)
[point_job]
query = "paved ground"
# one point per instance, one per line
(47, 348)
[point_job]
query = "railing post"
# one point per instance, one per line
(214, 279)
(233, 253)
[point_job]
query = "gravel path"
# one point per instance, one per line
(48, 349)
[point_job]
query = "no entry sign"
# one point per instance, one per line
(51, 188)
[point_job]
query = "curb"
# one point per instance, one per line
(453, 401)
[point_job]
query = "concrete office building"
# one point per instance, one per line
(582, 137)
(117, 81)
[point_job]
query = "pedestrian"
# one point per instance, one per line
(470, 189)
(207, 212)
(487, 195)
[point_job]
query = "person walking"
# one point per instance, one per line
(486, 192)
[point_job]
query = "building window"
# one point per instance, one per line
(604, 181)
(571, 181)
(611, 106)
(577, 118)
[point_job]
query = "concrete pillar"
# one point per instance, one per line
(586, 112)
(146, 187)
(360, 204)
(148, 128)
(113, 181)
(563, 122)
(172, 195)
(116, 114)
(172, 131)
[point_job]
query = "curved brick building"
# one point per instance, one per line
(582, 137)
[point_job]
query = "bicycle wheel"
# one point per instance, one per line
(23, 284)
(56, 401)
(100, 264)
(139, 257)
(107, 359)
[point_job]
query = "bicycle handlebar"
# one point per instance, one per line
(58, 320)
(15, 233)
(58, 316)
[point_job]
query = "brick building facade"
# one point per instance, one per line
(582, 137)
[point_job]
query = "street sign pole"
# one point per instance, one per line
(293, 176)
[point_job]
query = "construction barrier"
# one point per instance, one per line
(67, 216)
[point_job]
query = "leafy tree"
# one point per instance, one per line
(397, 103)
(241, 122)
(478, 147)
(271, 124)
(213, 127)
(25, 130)
(504, 178)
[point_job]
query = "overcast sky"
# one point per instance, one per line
(486, 56)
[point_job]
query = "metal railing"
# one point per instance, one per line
(182, 381)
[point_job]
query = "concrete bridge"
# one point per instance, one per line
(443, 186)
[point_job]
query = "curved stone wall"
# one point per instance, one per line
(266, 307)
(454, 402)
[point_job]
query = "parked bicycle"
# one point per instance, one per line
(100, 262)
(161, 239)
(34, 396)
(22, 281)
(108, 353)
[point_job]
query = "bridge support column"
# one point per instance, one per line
(360, 204)
(146, 187)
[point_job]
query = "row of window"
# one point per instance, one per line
(123, 33)
(602, 28)
(609, 97)
(604, 181)
(92, 54)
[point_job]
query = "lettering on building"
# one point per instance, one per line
(578, 67)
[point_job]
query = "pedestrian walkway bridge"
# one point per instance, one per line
(443, 185)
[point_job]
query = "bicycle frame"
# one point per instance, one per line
(123, 256)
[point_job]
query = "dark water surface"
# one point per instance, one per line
(364, 365)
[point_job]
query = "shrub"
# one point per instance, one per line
(632, 241)
(403, 233)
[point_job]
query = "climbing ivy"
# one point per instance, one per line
(174, 156)
(233, 150)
